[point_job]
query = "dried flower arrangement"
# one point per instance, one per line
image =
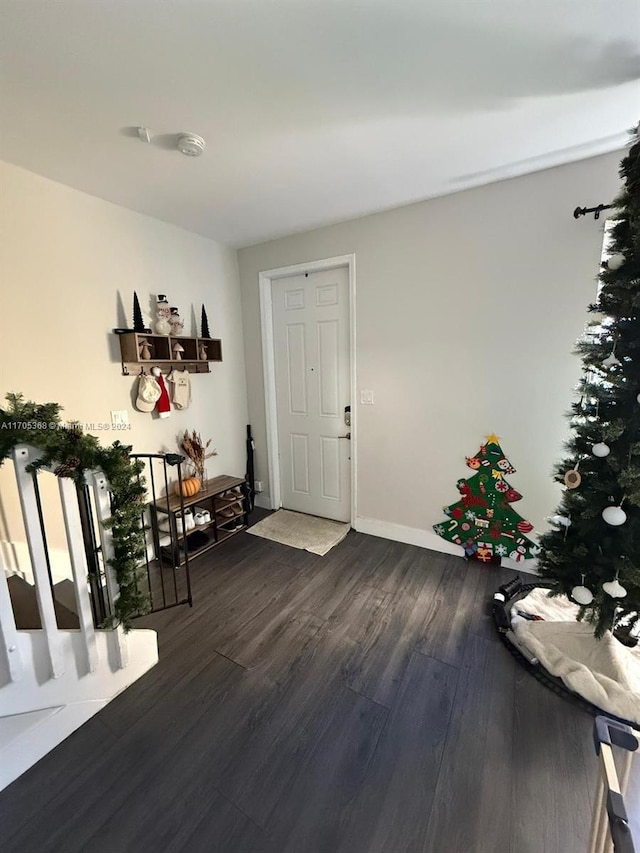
(196, 450)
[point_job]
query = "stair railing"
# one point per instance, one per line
(33, 519)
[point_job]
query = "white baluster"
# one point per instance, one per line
(22, 456)
(75, 543)
(8, 633)
(100, 486)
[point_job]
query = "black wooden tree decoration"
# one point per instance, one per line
(205, 325)
(138, 322)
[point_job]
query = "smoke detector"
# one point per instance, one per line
(190, 144)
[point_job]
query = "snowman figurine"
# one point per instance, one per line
(163, 313)
(175, 321)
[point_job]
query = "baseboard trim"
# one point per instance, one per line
(262, 501)
(428, 539)
(528, 566)
(408, 535)
(24, 751)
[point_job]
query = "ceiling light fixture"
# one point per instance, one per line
(190, 144)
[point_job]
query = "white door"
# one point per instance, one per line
(311, 341)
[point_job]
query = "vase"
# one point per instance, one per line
(200, 471)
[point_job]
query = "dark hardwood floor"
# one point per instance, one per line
(359, 702)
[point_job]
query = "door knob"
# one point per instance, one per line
(348, 435)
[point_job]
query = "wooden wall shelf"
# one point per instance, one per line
(161, 352)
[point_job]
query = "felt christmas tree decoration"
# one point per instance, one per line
(483, 521)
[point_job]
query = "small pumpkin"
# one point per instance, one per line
(190, 486)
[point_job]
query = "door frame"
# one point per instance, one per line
(265, 283)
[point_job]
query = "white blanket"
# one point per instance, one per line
(603, 671)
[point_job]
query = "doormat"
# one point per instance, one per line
(307, 532)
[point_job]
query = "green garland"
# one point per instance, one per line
(71, 453)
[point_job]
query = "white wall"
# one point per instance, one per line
(69, 263)
(468, 307)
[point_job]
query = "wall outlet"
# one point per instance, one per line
(258, 485)
(119, 417)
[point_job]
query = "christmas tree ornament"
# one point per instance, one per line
(615, 261)
(614, 515)
(572, 478)
(505, 467)
(601, 450)
(490, 527)
(561, 520)
(614, 588)
(582, 594)
(611, 360)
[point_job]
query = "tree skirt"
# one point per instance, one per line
(605, 672)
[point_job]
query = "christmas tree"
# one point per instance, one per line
(138, 322)
(204, 324)
(483, 521)
(593, 550)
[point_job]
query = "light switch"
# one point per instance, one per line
(366, 398)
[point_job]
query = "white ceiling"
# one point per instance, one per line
(314, 111)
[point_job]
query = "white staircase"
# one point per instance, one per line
(53, 679)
